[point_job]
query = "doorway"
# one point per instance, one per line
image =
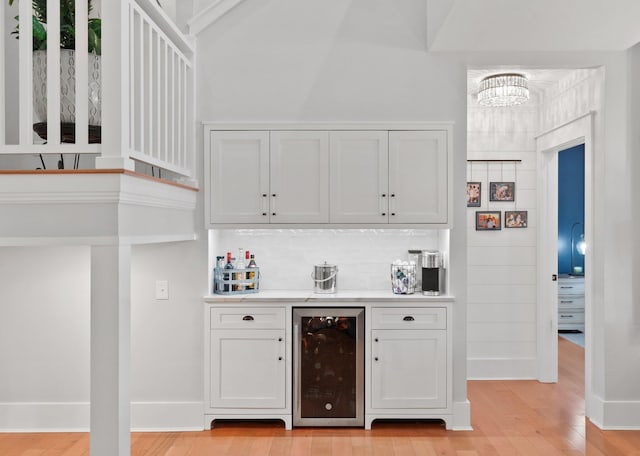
(571, 244)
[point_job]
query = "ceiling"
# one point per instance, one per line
(540, 25)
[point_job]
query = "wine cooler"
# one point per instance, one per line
(328, 371)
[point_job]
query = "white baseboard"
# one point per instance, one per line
(615, 415)
(501, 369)
(166, 416)
(44, 417)
(74, 416)
(461, 416)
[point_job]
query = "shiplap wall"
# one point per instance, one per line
(501, 269)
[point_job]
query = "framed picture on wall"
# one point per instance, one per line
(502, 191)
(474, 192)
(516, 219)
(488, 221)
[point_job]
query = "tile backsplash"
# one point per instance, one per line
(286, 256)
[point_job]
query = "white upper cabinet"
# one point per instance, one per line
(418, 177)
(299, 177)
(272, 174)
(359, 177)
(239, 177)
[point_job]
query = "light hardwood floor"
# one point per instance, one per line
(510, 418)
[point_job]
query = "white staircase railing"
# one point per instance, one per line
(146, 74)
(161, 91)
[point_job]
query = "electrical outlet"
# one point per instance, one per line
(162, 289)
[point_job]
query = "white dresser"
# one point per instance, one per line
(571, 303)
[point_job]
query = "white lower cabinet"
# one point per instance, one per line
(246, 364)
(409, 369)
(248, 369)
(410, 364)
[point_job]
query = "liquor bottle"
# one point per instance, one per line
(239, 275)
(247, 260)
(217, 273)
(227, 276)
(251, 274)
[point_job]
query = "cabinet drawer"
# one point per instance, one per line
(409, 318)
(570, 317)
(247, 318)
(571, 287)
(570, 302)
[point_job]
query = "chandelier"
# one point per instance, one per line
(506, 89)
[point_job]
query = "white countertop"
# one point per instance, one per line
(342, 296)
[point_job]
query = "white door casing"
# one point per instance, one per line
(548, 144)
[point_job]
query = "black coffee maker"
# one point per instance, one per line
(433, 273)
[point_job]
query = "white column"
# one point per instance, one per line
(110, 350)
(115, 86)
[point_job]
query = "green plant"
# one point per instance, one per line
(67, 26)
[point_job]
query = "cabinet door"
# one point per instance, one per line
(239, 177)
(359, 176)
(418, 177)
(408, 369)
(247, 369)
(299, 177)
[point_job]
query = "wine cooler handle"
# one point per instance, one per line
(296, 368)
(247, 318)
(408, 318)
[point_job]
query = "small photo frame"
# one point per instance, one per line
(516, 219)
(502, 191)
(488, 221)
(474, 194)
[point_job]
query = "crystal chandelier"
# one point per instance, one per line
(506, 89)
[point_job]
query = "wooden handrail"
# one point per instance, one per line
(94, 171)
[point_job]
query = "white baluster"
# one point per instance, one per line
(82, 73)
(53, 73)
(25, 52)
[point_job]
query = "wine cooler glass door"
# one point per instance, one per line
(328, 371)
